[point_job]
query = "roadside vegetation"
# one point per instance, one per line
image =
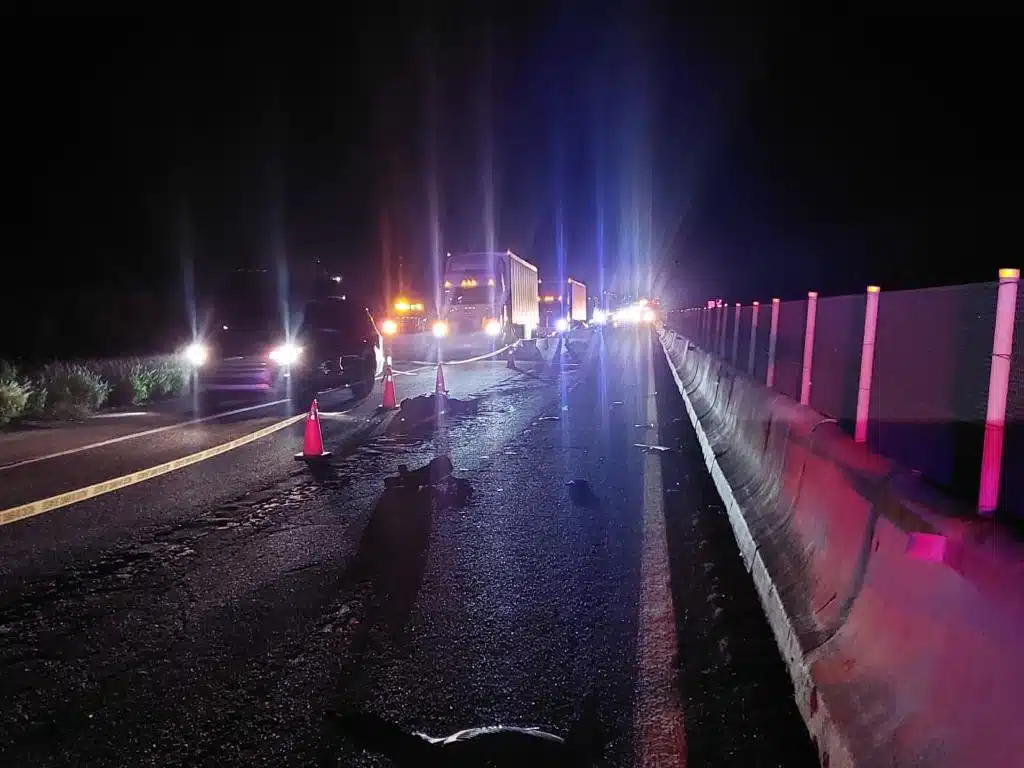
(76, 390)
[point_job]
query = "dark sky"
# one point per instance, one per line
(737, 158)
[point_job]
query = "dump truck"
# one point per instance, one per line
(491, 292)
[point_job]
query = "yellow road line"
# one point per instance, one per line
(33, 508)
(134, 435)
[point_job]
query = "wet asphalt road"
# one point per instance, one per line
(210, 616)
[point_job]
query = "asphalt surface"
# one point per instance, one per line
(212, 615)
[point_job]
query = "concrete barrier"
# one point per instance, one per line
(903, 630)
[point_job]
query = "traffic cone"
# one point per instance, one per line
(313, 442)
(439, 387)
(390, 402)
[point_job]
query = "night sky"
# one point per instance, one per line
(734, 158)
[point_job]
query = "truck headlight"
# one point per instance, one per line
(440, 329)
(196, 354)
(562, 325)
(286, 354)
(389, 327)
(493, 327)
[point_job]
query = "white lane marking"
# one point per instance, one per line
(33, 508)
(133, 435)
(658, 715)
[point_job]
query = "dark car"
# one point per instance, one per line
(252, 354)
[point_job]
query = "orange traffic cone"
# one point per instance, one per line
(390, 402)
(439, 387)
(313, 443)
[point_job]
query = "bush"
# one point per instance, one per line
(13, 398)
(134, 381)
(169, 378)
(73, 390)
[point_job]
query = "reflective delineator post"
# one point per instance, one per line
(998, 386)
(773, 335)
(736, 335)
(805, 377)
(753, 336)
(723, 324)
(867, 362)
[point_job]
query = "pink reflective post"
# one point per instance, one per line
(773, 335)
(998, 385)
(736, 335)
(805, 379)
(867, 362)
(753, 337)
(723, 323)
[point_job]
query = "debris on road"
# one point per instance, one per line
(581, 494)
(423, 410)
(436, 476)
(653, 448)
(550, 418)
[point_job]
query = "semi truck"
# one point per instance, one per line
(491, 292)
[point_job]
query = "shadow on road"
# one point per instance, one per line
(392, 557)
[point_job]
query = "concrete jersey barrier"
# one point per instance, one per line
(901, 653)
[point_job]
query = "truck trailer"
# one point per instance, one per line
(577, 303)
(493, 293)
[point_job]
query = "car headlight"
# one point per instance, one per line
(196, 354)
(648, 316)
(440, 329)
(286, 354)
(389, 327)
(562, 325)
(493, 327)
(599, 317)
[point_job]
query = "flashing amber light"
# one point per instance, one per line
(447, 284)
(468, 283)
(812, 294)
(491, 281)
(417, 307)
(775, 301)
(757, 303)
(1009, 274)
(401, 305)
(873, 289)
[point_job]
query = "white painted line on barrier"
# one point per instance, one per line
(33, 508)
(133, 435)
(659, 727)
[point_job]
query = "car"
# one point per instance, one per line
(336, 344)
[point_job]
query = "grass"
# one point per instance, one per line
(77, 389)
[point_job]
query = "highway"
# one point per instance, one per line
(214, 614)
